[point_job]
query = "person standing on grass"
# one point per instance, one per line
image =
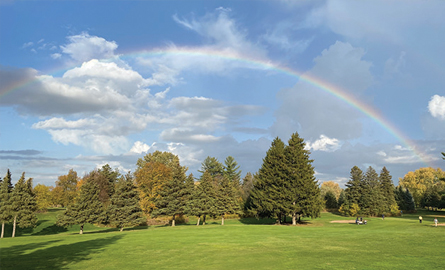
(383, 216)
(420, 219)
(435, 222)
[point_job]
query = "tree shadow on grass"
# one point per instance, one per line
(256, 221)
(53, 257)
(53, 229)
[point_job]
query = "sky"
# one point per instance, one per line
(89, 83)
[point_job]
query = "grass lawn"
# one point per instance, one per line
(393, 243)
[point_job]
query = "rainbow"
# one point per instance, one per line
(258, 63)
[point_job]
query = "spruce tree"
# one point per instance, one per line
(387, 190)
(231, 170)
(372, 201)
(124, 209)
(300, 186)
(330, 200)
(170, 201)
(353, 186)
(5, 194)
(266, 196)
(203, 202)
(226, 202)
(22, 205)
(87, 209)
(212, 166)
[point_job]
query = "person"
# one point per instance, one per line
(383, 216)
(420, 219)
(435, 222)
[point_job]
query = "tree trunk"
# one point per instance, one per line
(122, 228)
(81, 229)
(222, 220)
(173, 221)
(204, 220)
(279, 218)
(3, 229)
(199, 219)
(294, 219)
(13, 226)
(284, 218)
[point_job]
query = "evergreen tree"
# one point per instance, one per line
(266, 195)
(341, 198)
(330, 200)
(226, 202)
(301, 189)
(87, 209)
(5, 194)
(203, 202)
(124, 209)
(231, 170)
(170, 201)
(353, 190)
(23, 205)
(387, 190)
(212, 166)
(112, 178)
(372, 201)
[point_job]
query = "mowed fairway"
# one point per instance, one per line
(393, 243)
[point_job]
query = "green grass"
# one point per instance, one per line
(393, 243)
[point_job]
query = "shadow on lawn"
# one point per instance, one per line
(53, 257)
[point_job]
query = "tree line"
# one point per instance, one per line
(285, 186)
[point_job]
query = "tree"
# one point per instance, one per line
(68, 184)
(330, 186)
(203, 202)
(353, 186)
(5, 207)
(87, 209)
(124, 209)
(111, 176)
(387, 190)
(341, 198)
(231, 170)
(149, 181)
(266, 199)
(212, 166)
(372, 201)
(226, 202)
(170, 201)
(22, 205)
(301, 186)
(330, 200)
(418, 181)
(43, 197)
(404, 199)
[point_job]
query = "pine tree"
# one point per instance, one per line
(212, 166)
(301, 187)
(203, 202)
(124, 209)
(5, 194)
(226, 202)
(353, 186)
(87, 209)
(372, 201)
(266, 196)
(387, 190)
(231, 170)
(170, 201)
(341, 198)
(23, 205)
(330, 200)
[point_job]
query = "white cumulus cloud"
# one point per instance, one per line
(436, 107)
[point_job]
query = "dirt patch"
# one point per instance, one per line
(433, 216)
(343, 221)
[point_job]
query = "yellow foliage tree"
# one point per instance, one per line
(330, 186)
(43, 197)
(149, 180)
(418, 181)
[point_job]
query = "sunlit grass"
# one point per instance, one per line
(393, 243)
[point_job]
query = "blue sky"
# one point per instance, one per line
(85, 83)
